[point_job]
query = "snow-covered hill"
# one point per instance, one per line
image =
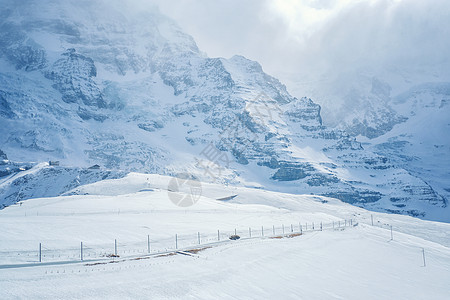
(103, 83)
(351, 262)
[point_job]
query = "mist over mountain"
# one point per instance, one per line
(123, 86)
(332, 51)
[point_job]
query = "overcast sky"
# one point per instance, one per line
(264, 29)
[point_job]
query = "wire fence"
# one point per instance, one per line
(51, 251)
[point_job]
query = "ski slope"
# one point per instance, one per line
(345, 262)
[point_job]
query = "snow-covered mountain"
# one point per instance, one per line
(400, 113)
(89, 82)
(421, 144)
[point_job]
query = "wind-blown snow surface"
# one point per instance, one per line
(355, 262)
(100, 83)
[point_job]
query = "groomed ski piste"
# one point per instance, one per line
(137, 244)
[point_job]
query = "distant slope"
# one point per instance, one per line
(43, 180)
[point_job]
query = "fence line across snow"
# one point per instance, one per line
(148, 246)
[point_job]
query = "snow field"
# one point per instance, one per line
(358, 262)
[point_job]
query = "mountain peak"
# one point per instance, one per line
(128, 90)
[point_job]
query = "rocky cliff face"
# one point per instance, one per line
(132, 92)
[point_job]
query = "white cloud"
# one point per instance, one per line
(281, 31)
